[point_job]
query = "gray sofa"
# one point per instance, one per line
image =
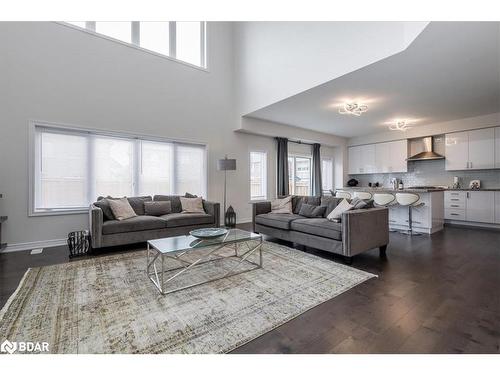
(359, 230)
(105, 231)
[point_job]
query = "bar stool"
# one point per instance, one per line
(383, 199)
(410, 200)
(343, 194)
(363, 195)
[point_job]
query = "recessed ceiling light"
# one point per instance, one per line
(355, 109)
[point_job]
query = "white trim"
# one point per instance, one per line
(137, 47)
(265, 177)
(33, 245)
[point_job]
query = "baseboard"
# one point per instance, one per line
(33, 245)
(471, 224)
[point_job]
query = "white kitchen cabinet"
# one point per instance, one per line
(398, 155)
(474, 149)
(497, 147)
(457, 151)
(497, 207)
(482, 148)
(383, 158)
(362, 159)
(354, 160)
(480, 206)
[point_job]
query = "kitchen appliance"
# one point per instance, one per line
(423, 149)
(394, 183)
(475, 184)
(352, 182)
(456, 182)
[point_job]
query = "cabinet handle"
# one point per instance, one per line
(454, 214)
(467, 194)
(455, 199)
(470, 164)
(455, 205)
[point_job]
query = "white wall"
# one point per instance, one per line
(275, 60)
(431, 129)
(58, 74)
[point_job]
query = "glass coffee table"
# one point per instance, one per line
(183, 250)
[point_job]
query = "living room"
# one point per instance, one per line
(247, 195)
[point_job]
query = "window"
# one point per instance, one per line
(299, 175)
(327, 174)
(71, 168)
(184, 41)
(258, 175)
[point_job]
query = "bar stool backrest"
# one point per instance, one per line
(407, 199)
(362, 195)
(343, 194)
(383, 199)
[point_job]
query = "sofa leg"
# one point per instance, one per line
(383, 251)
(348, 260)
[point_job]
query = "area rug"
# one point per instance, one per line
(108, 305)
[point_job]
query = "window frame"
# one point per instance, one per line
(303, 156)
(90, 28)
(34, 169)
(265, 175)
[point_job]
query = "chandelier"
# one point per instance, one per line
(400, 125)
(354, 109)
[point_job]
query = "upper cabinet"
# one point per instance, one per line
(384, 157)
(497, 147)
(474, 149)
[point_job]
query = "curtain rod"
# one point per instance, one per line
(301, 143)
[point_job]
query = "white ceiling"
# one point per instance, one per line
(451, 71)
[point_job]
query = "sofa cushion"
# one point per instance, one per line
(281, 221)
(103, 204)
(137, 203)
(330, 203)
(318, 227)
(298, 200)
(157, 208)
(187, 219)
(121, 208)
(174, 199)
(308, 210)
(134, 224)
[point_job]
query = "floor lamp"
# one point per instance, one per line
(226, 165)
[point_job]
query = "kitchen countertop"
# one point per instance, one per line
(426, 190)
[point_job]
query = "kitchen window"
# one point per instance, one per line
(299, 175)
(258, 175)
(70, 168)
(182, 41)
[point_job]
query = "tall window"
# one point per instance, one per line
(299, 175)
(184, 41)
(327, 174)
(71, 168)
(258, 175)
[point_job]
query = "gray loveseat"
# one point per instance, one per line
(359, 230)
(105, 231)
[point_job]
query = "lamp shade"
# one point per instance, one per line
(226, 164)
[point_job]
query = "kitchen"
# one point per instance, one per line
(456, 175)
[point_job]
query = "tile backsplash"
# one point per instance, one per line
(432, 172)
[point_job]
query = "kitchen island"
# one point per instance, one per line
(428, 218)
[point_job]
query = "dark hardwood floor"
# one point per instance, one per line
(434, 294)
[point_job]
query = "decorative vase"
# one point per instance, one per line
(230, 217)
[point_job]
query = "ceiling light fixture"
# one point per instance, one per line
(401, 125)
(355, 109)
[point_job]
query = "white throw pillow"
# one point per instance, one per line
(282, 206)
(337, 212)
(121, 208)
(192, 205)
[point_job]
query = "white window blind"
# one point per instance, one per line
(71, 168)
(327, 174)
(258, 175)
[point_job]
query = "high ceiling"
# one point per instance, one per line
(451, 71)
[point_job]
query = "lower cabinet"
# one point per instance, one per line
(474, 206)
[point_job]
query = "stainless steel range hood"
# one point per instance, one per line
(423, 149)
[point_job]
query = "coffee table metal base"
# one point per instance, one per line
(157, 276)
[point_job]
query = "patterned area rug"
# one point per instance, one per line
(108, 305)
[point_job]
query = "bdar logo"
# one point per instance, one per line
(8, 347)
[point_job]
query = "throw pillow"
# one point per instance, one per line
(308, 210)
(189, 195)
(282, 206)
(192, 205)
(339, 210)
(157, 208)
(330, 203)
(121, 208)
(103, 204)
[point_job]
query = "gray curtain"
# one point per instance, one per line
(282, 166)
(316, 172)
